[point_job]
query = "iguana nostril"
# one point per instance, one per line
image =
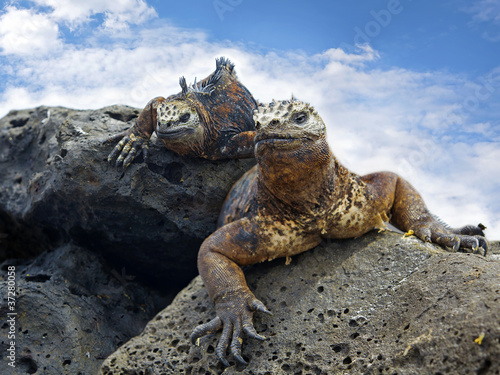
(275, 122)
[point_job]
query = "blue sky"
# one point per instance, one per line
(403, 85)
(419, 35)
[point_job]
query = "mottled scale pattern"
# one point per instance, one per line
(167, 112)
(280, 113)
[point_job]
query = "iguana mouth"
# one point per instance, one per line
(283, 141)
(273, 136)
(174, 133)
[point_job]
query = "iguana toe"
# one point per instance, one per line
(469, 238)
(236, 344)
(117, 150)
(204, 329)
(251, 332)
(259, 306)
(223, 344)
(470, 230)
(423, 232)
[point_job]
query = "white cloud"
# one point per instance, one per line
(392, 119)
(486, 12)
(23, 32)
(35, 30)
(118, 13)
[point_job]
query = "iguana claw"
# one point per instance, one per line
(468, 238)
(126, 150)
(234, 317)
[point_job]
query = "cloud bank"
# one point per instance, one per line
(437, 130)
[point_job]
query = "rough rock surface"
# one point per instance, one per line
(379, 304)
(56, 186)
(71, 313)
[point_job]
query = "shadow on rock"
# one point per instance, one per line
(56, 186)
(71, 313)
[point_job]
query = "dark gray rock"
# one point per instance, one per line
(380, 304)
(71, 313)
(56, 186)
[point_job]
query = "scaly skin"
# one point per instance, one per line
(212, 119)
(296, 195)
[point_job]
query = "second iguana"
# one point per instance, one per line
(211, 119)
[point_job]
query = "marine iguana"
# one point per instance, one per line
(212, 119)
(296, 195)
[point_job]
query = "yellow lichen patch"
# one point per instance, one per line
(479, 340)
(409, 233)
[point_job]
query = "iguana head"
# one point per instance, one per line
(178, 122)
(290, 144)
(287, 125)
(198, 117)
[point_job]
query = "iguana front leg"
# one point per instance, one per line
(136, 138)
(240, 146)
(410, 214)
(219, 261)
(241, 243)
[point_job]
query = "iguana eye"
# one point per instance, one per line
(185, 117)
(300, 118)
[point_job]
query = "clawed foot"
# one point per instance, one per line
(126, 150)
(234, 316)
(469, 238)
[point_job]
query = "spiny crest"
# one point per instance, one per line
(281, 110)
(224, 63)
(221, 64)
(182, 82)
(201, 88)
(196, 87)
